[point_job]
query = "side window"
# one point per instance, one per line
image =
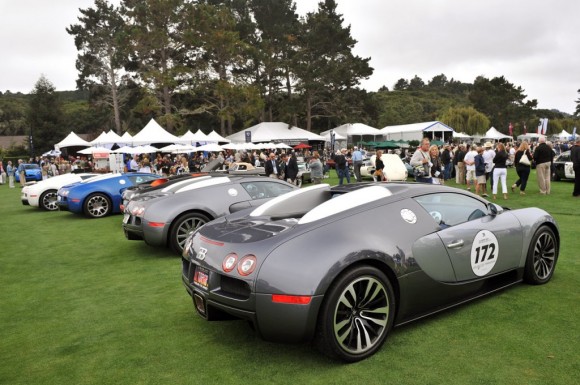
(450, 209)
(140, 179)
(266, 189)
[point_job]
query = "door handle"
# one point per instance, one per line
(455, 244)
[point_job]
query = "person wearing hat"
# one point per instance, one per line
(488, 155)
(357, 159)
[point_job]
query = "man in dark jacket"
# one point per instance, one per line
(575, 157)
(543, 155)
(446, 160)
(291, 168)
(271, 166)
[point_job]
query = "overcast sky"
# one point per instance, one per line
(535, 44)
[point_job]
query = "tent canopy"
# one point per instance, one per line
(154, 133)
(416, 131)
(268, 131)
(350, 129)
(493, 133)
(71, 140)
(215, 137)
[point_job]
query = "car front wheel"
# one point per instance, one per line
(182, 227)
(48, 200)
(542, 257)
(357, 314)
(97, 206)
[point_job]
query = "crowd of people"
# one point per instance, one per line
(472, 165)
(475, 166)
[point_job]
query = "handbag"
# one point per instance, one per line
(525, 160)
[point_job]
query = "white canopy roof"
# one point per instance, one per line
(71, 140)
(215, 137)
(268, 131)
(94, 149)
(493, 133)
(350, 129)
(127, 138)
(461, 135)
(154, 133)
(190, 138)
(414, 127)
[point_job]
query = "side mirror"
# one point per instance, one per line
(492, 209)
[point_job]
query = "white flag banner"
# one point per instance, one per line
(544, 126)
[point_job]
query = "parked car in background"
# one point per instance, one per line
(99, 196)
(166, 217)
(32, 171)
(296, 271)
(243, 168)
(395, 169)
(563, 167)
(43, 194)
(368, 168)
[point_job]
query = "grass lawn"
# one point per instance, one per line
(79, 304)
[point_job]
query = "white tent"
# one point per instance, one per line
(461, 135)
(564, 135)
(350, 129)
(94, 149)
(190, 138)
(127, 138)
(215, 137)
(494, 134)
(153, 133)
(71, 140)
(337, 136)
(416, 131)
(530, 137)
(270, 131)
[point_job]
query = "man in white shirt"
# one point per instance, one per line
(469, 161)
(488, 155)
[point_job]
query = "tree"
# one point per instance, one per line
(161, 58)
(325, 65)
(465, 119)
(500, 100)
(401, 85)
(44, 117)
(438, 83)
(100, 39)
(416, 84)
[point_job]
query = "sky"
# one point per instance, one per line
(535, 44)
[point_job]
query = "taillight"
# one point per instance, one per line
(229, 262)
(247, 265)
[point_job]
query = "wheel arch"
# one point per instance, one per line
(175, 219)
(90, 194)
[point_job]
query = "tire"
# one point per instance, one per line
(356, 315)
(97, 206)
(542, 257)
(182, 227)
(47, 200)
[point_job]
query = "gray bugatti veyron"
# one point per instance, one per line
(344, 265)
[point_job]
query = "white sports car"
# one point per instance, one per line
(43, 193)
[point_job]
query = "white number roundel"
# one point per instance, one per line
(484, 252)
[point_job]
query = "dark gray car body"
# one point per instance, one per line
(302, 249)
(150, 216)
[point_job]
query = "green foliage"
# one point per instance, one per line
(45, 117)
(466, 119)
(577, 112)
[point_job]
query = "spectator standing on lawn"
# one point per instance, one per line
(446, 160)
(481, 185)
(500, 170)
(469, 161)
(357, 159)
(10, 172)
(543, 155)
(21, 172)
(460, 169)
(421, 157)
(316, 169)
(575, 157)
(488, 155)
(522, 167)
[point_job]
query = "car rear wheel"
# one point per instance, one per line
(97, 206)
(356, 315)
(48, 200)
(182, 227)
(542, 257)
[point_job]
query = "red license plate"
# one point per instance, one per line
(201, 277)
